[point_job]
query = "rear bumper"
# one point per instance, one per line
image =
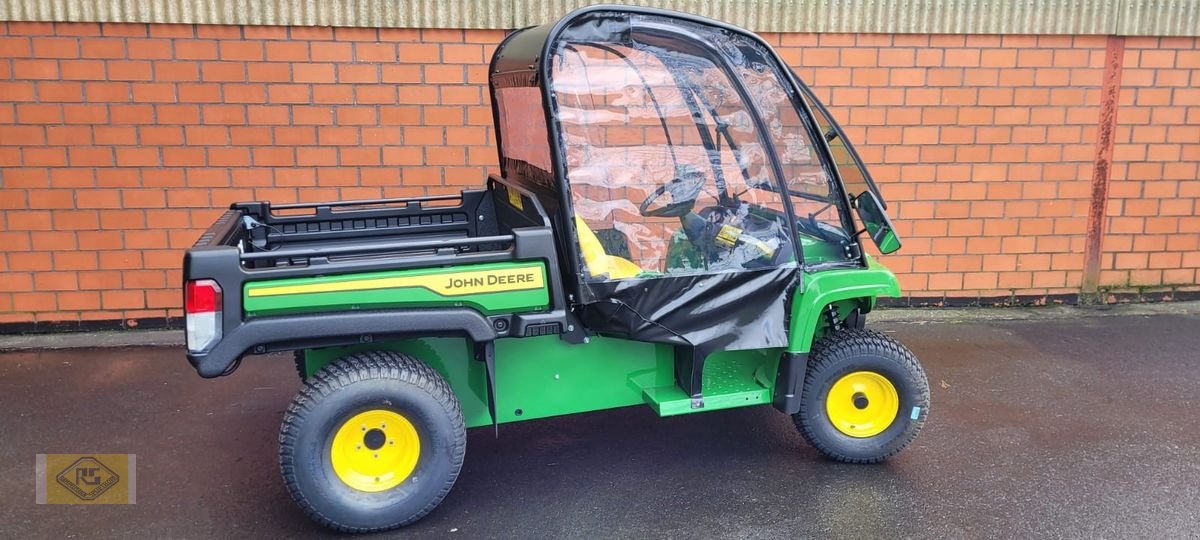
(325, 330)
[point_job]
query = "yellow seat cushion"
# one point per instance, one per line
(599, 263)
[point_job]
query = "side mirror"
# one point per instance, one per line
(879, 226)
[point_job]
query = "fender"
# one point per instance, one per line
(281, 333)
(824, 288)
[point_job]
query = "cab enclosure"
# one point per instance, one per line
(691, 184)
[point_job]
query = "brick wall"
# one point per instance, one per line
(1154, 200)
(120, 142)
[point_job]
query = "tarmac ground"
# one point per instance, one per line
(1061, 426)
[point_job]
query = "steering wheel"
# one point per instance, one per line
(684, 190)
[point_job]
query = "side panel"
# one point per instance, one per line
(830, 286)
(535, 377)
(489, 288)
(451, 357)
(545, 376)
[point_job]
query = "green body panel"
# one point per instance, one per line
(820, 252)
(833, 287)
(540, 377)
(379, 295)
(451, 357)
(544, 376)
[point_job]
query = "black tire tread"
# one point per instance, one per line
(831, 348)
(348, 370)
(301, 363)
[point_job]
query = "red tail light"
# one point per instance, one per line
(202, 313)
(202, 296)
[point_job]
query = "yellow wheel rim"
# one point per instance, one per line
(862, 404)
(376, 450)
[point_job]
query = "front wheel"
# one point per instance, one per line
(865, 397)
(372, 442)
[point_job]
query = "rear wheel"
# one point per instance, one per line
(865, 397)
(372, 442)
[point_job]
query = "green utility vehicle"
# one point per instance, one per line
(677, 223)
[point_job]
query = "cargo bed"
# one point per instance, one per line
(356, 241)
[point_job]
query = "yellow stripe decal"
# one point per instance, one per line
(452, 284)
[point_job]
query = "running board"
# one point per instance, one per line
(739, 380)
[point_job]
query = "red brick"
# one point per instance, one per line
(85, 114)
(241, 51)
(199, 92)
(154, 92)
(224, 114)
(401, 73)
(32, 113)
(444, 74)
(375, 52)
(244, 93)
(274, 157)
(137, 157)
(176, 71)
(267, 115)
(287, 51)
(149, 49)
(107, 91)
(360, 156)
(228, 157)
(43, 157)
(329, 135)
(55, 47)
(356, 73)
(11, 135)
(121, 299)
(195, 50)
(295, 136)
(355, 34)
(59, 91)
(223, 71)
(313, 73)
(127, 70)
(332, 52)
(34, 301)
(421, 53)
(19, 91)
(123, 29)
(268, 72)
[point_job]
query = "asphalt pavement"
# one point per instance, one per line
(1050, 427)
